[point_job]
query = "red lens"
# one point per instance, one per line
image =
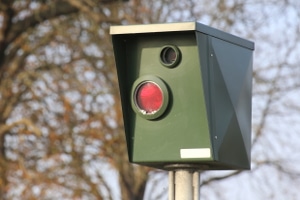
(149, 97)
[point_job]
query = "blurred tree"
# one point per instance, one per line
(60, 118)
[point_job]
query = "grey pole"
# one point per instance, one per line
(171, 185)
(183, 185)
(196, 185)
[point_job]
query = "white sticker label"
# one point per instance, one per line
(195, 153)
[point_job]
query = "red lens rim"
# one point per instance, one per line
(159, 88)
(149, 97)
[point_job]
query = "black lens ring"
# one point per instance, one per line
(169, 56)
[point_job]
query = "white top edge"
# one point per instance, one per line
(152, 28)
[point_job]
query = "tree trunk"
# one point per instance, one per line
(3, 169)
(133, 186)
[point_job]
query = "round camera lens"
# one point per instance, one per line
(169, 56)
(149, 97)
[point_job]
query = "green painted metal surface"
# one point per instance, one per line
(207, 121)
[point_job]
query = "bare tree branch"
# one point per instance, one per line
(219, 178)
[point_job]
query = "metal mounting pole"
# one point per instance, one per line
(184, 185)
(171, 185)
(196, 185)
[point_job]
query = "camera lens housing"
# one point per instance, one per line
(170, 56)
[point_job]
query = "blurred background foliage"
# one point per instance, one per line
(61, 131)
